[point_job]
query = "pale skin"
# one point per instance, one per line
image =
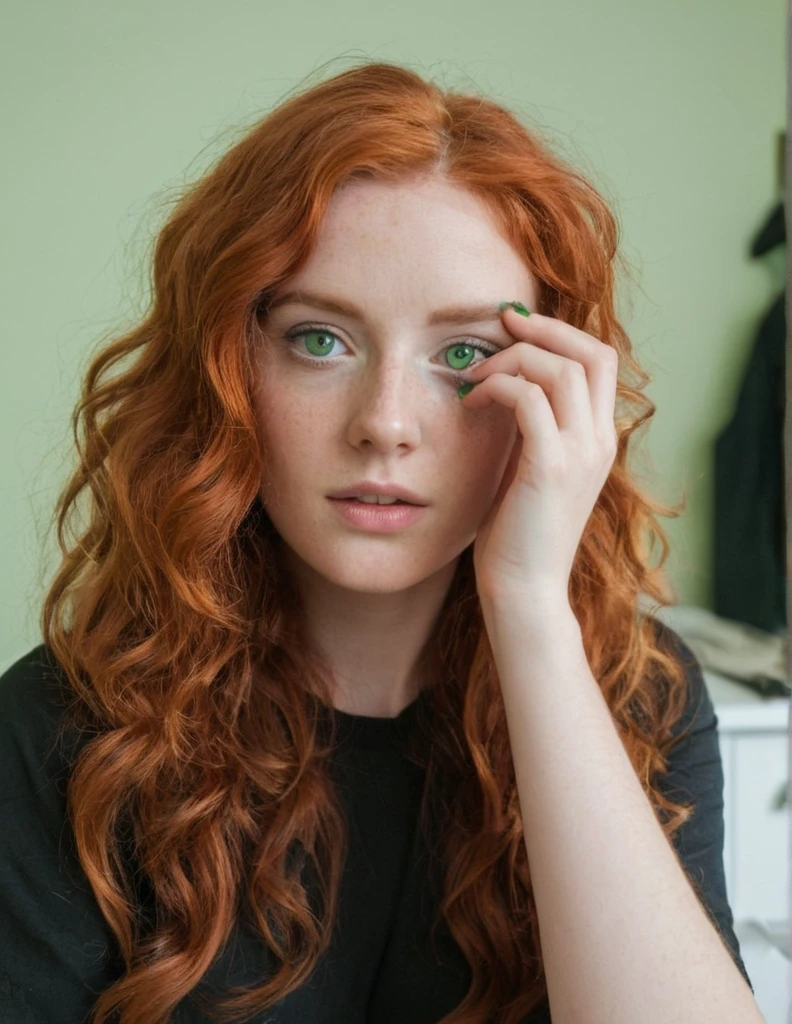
(514, 467)
(386, 406)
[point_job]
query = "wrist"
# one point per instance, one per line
(535, 604)
(531, 616)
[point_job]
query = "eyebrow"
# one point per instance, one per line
(481, 313)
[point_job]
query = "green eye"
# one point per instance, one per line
(319, 342)
(460, 355)
(323, 346)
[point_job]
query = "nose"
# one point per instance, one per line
(384, 407)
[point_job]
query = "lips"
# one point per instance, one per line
(378, 488)
(377, 504)
(378, 518)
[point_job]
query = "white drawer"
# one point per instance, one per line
(756, 854)
(768, 969)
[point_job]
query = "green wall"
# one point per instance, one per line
(671, 109)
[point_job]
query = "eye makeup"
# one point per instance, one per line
(459, 349)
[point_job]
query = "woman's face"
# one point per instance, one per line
(380, 401)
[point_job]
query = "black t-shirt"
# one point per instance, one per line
(57, 953)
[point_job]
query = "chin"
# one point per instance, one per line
(381, 579)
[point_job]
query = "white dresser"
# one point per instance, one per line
(754, 744)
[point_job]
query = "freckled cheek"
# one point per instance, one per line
(287, 433)
(483, 453)
(489, 428)
(295, 467)
(293, 430)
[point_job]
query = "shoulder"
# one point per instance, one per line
(699, 710)
(34, 684)
(53, 929)
(34, 693)
(695, 777)
(694, 768)
(34, 696)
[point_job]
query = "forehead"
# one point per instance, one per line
(412, 208)
(426, 237)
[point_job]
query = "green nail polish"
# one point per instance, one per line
(465, 390)
(518, 307)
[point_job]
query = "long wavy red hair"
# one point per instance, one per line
(182, 640)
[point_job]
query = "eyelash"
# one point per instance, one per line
(293, 335)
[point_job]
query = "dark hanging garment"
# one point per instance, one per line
(750, 514)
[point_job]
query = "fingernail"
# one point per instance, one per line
(465, 390)
(518, 307)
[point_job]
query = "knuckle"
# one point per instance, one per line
(573, 370)
(609, 353)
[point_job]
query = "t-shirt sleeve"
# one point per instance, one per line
(56, 951)
(695, 775)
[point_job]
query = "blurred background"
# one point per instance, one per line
(675, 112)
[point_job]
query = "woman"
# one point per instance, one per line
(352, 762)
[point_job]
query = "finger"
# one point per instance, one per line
(601, 361)
(532, 410)
(510, 471)
(563, 381)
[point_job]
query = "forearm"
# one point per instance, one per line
(624, 938)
